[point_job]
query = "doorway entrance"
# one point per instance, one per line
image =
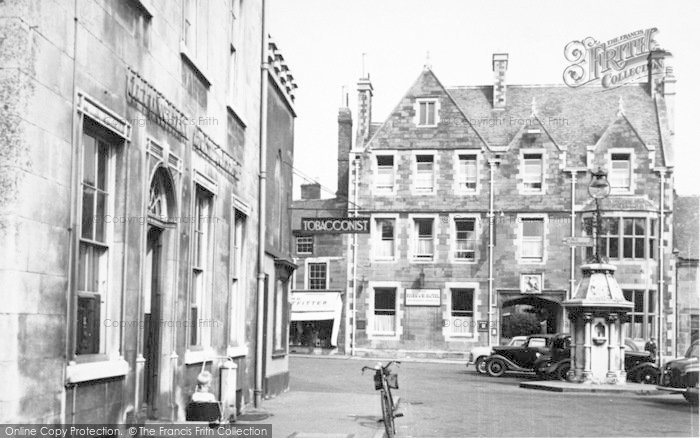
(529, 314)
(152, 317)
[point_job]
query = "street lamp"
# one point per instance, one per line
(598, 188)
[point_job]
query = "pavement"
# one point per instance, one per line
(331, 398)
(558, 386)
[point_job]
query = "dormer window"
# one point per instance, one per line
(427, 112)
(532, 172)
(620, 171)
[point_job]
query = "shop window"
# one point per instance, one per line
(384, 318)
(280, 308)
(643, 315)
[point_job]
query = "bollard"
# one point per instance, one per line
(229, 375)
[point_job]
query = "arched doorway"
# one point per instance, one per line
(530, 314)
(161, 214)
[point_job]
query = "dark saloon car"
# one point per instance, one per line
(680, 376)
(639, 365)
(518, 358)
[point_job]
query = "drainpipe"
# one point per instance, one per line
(262, 177)
(572, 249)
(660, 245)
(72, 230)
(492, 169)
(354, 261)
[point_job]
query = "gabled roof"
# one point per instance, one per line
(574, 117)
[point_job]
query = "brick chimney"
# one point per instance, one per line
(364, 110)
(669, 92)
(500, 66)
(311, 191)
(344, 146)
(656, 68)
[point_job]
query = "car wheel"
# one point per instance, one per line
(562, 371)
(496, 367)
(480, 365)
(648, 376)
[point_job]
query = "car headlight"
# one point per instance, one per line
(537, 355)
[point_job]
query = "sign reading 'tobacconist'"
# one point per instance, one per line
(335, 225)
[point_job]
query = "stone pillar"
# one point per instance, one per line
(622, 326)
(588, 327)
(613, 366)
(573, 375)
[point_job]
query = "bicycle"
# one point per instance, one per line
(385, 381)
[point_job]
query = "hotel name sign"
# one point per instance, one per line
(143, 96)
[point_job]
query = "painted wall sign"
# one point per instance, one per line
(531, 283)
(335, 225)
(423, 297)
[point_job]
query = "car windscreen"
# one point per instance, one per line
(537, 342)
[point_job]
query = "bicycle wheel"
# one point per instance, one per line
(388, 415)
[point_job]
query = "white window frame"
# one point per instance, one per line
(521, 181)
(296, 244)
(375, 164)
(427, 100)
(447, 312)
(109, 301)
(237, 337)
(453, 237)
(398, 329)
(412, 237)
(326, 260)
(459, 188)
(621, 190)
(650, 257)
(204, 302)
(519, 242)
(376, 235)
(414, 171)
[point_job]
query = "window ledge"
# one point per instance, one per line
(198, 356)
(191, 60)
(104, 369)
(236, 351)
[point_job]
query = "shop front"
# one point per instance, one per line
(315, 321)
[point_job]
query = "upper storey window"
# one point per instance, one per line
(621, 171)
(427, 112)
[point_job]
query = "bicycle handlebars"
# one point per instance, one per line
(383, 368)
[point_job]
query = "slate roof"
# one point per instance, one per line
(574, 117)
(686, 226)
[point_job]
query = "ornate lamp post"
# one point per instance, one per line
(598, 188)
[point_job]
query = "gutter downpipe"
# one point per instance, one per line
(659, 293)
(572, 249)
(262, 187)
(354, 261)
(492, 164)
(72, 230)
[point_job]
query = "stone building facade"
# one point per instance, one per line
(686, 245)
(129, 200)
(475, 192)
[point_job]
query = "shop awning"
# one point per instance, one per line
(318, 306)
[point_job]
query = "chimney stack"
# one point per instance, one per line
(669, 93)
(344, 147)
(364, 110)
(656, 68)
(500, 66)
(311, 191)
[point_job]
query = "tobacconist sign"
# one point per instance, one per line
(335, 225)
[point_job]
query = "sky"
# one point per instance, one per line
(323, 42)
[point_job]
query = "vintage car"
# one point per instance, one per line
(478, 355)
(639, 365)
(518, 358)
(680, 376)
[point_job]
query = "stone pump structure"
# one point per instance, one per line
(598, 314)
